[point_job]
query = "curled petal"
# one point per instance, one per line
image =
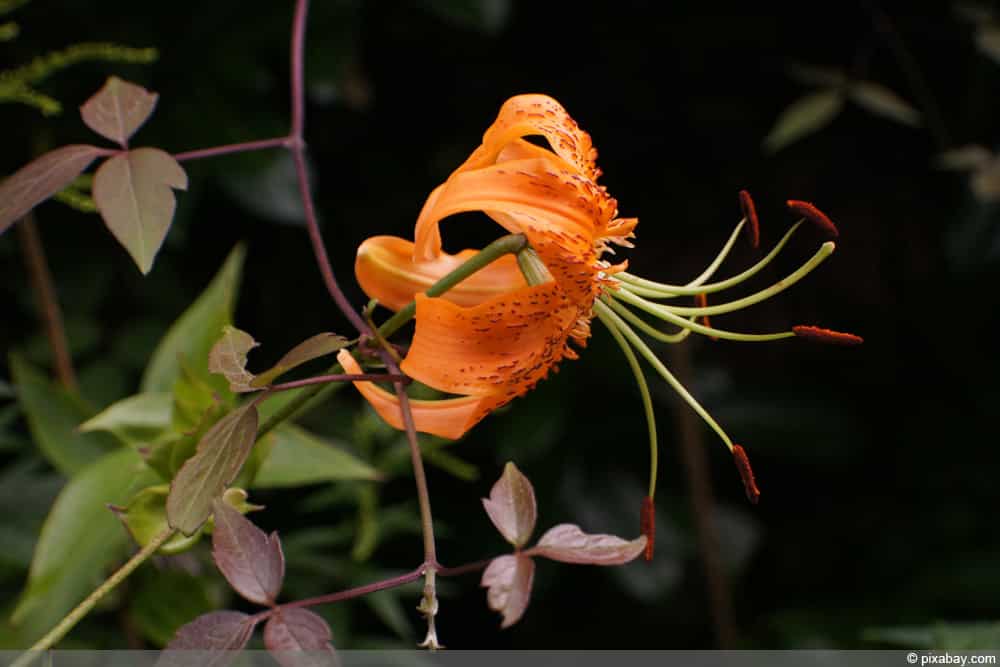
(386, 271)
(501, 347)
(536, 115)
(449, 418)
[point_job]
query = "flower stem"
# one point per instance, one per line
(82, 609)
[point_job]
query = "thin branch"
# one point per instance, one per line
(244, 147)
(358, 591)
(702, 505)
(338, 377)
(48, 304)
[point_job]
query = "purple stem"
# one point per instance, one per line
(359, 591)
(342, 377)
(277, 142)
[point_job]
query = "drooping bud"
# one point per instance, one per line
(746, 473)
(750, 213)
(815, 216)
(821, 335)
(647, 526)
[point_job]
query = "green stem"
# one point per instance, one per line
(82, 609)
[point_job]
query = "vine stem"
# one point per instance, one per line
(48, 304)
(337, 377)
(82, 609)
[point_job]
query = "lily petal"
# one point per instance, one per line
(449, 418)
(501, 347)
(536, 115)
(386, 271)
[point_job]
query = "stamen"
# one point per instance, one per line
(821, 335)
(750, 213)
(657, 310)
(643, 349)
(746, 473)
(701, 300)
(611, 321)
(824, 251)
(646, 327)
(663, 290)
(647, 525)
(814, 215)
(705, 275)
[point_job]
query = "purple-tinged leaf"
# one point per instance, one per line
(211, 640)
(511, 506)
(228, 357)
(567, 543)
(299, 638)
(251, 562)
(220, 454)
(118, 109)
(40, 179)
(312, 348)
(508, 581)
(133, 194)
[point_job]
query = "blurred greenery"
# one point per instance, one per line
(876, 463)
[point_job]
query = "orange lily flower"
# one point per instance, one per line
(494, 336)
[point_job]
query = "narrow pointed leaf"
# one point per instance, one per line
(299, 638)
(133, 194)
(191, 337)
(79, 540)
(228, 357)
(508, 582)
(988, 41)
(813, 75)
(298, 457)
(802, 117)
(211, 640)
(53, 415)
(251, 562)
(142, 411)
(511, 506)
(965, 158)
(881, 101)
(567, 543)
(118, 109)
(220, 454)
(40, 179)
(312, 348)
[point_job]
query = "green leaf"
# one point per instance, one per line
(802, 117)
(118, 109)
(203, 477)
(79, 540)
(299, 457)
(136, 417)
(312, 348)
(193, 334)
(41, 179)
(881, 101)
(228, 357)
(134, 195)
(167, 599)
(53, 415)
(145, 517)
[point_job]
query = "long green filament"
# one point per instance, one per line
(643, 349)
(824, 251)
(648, 288)
(646, 327)
(606, 316)
(688, 324)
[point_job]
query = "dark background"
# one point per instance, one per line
(876, 463)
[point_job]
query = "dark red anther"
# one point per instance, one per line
(750, 213)
(746, 473)
(815, 216)
(701, 300)
(647, 525)
(821, 335)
